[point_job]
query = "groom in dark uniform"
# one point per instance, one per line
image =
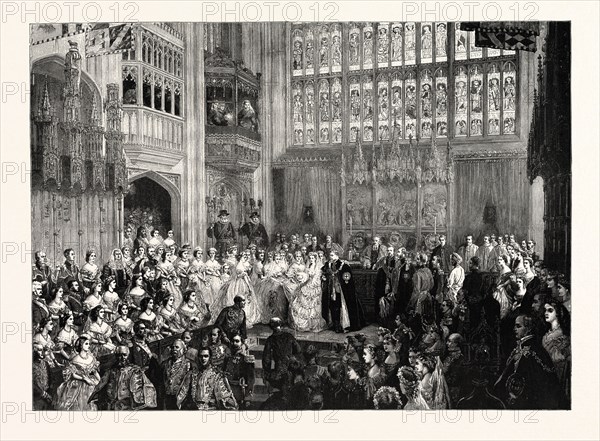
(529, 380)
(255, 232)
(338, 282)
(223, 232)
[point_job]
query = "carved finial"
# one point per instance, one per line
(45, 111)
(95, 116)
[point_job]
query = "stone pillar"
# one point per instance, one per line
(194, 222)
(264, 50)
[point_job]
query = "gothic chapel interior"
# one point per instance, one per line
(398, 130)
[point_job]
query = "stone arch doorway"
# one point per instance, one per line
(153, 201)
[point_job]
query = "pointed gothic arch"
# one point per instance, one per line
(174, 194)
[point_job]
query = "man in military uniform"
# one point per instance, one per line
(175, 368)
(42, 273)
(255, 231)
(124, 386)
(529, 380)
(223, 232)
(239, 370)
(68, 270)
(232, 319)
(206, 387)
(42, 400)
(39, 308)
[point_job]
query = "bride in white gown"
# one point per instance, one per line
(305, 309)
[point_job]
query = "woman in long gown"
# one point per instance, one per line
(284, 260)
(269, 290)
(212, 275)
(44, 338)
(94, 298)
(100, 332)
(182, 267)
(295, 275)
(90, 273)
(258, 266)
(305, 309)
(57, 307)
(154, 323)
(117, 268)
(110, 299)
(433, 383)
(375, 375)
(141, 258)
(167, 271)
(198, 279)
(66, 338)
(155, 239)
(392, 362)
(123, 327)
(172, 323)
(410, 388)
(192, 316)
(501, 294)
(127, 258)
(80, 378)
(136, 294)
(558, 343)
(240, 285)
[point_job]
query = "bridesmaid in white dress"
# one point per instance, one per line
(269, 291)
(295, 275)
(198, 279)
(240, 284)
(212, 274)
(168, 272)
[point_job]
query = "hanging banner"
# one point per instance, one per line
(108, 38)
(509, 35)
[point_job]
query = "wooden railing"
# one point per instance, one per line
(152, 129)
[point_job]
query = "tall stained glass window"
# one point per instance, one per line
(383, 108)
(441, 41)
(494, 99)
(460, 101)
(396, 44)
(377, 81)
(410, 115)
(476, 100)
(367, 111)
(410, 43)
(426, 42)
(509, 75)
(441, 103)
(426, 101)
(383, 45)
(336, 110)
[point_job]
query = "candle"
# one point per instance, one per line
(350, 226)
(435, 224)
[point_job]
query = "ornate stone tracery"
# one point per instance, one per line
(402, 191)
